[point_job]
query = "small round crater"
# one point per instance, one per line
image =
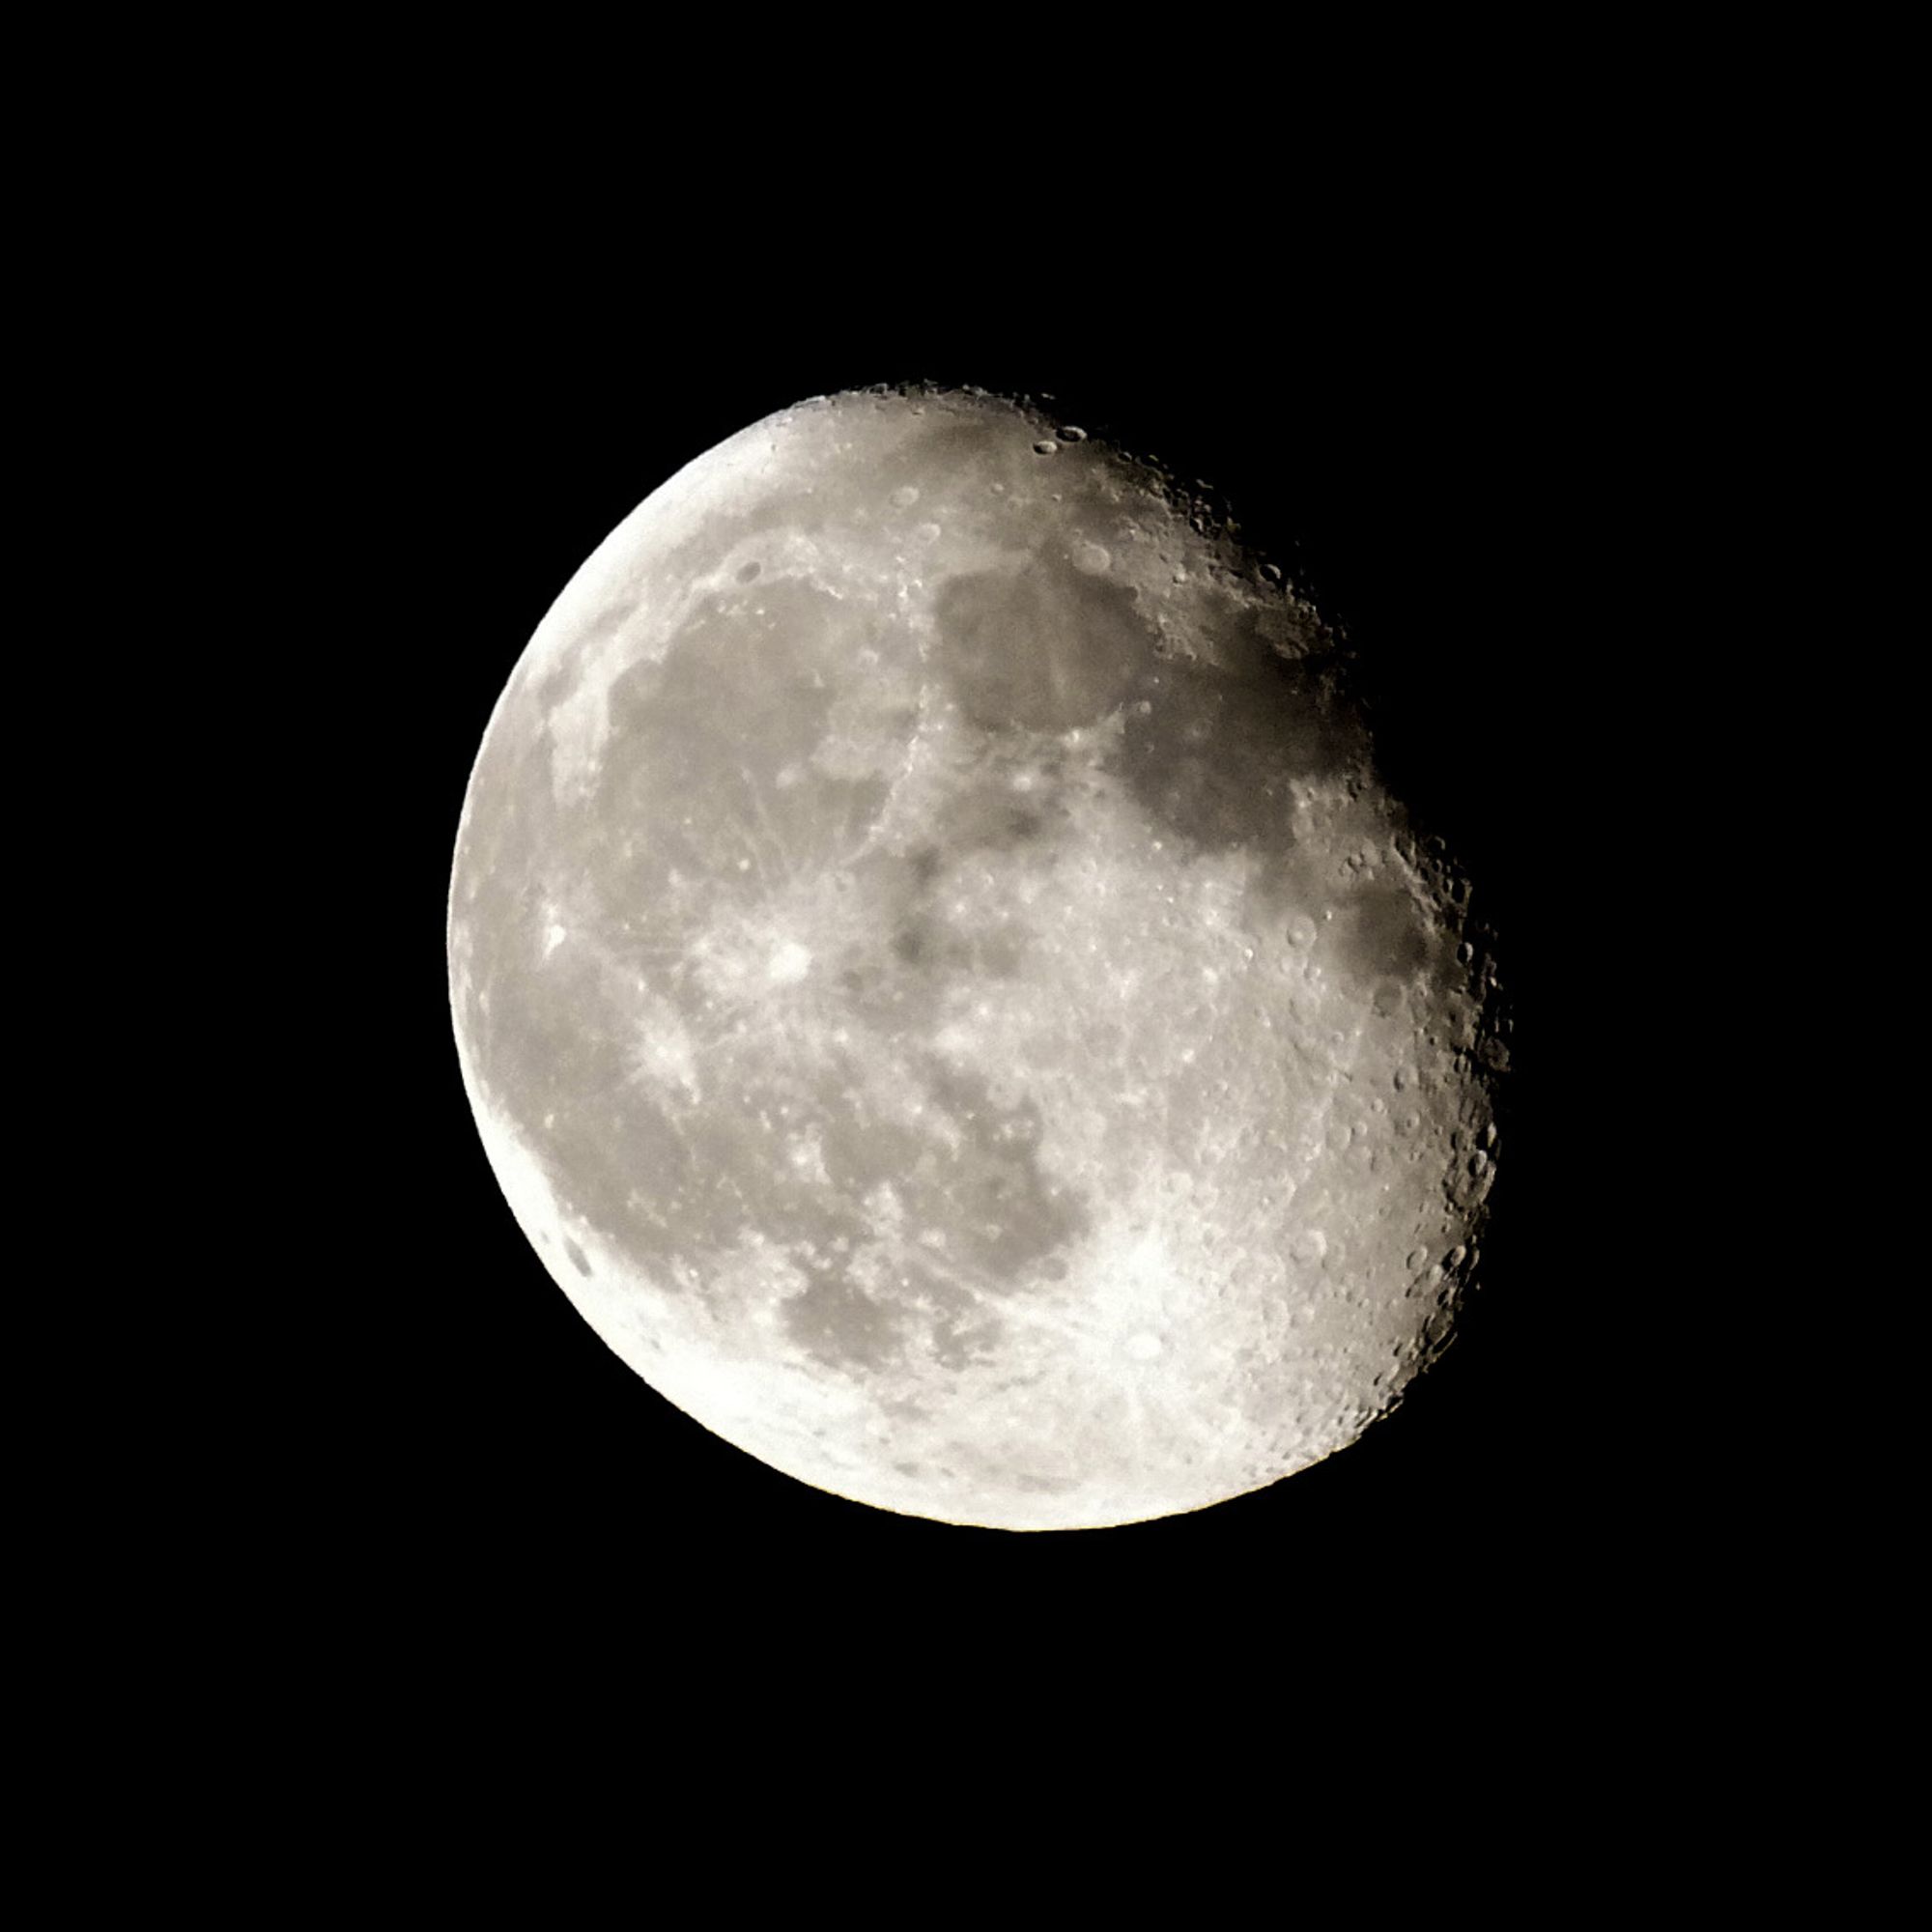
(1388, 996)
(1045, 446)
(749, 571)
(904, 498)
(1073, 433)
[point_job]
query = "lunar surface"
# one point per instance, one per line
(945, 991)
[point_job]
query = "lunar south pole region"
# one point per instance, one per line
(945, 991)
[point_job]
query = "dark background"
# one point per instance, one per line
(1438, 462)
(390, 353)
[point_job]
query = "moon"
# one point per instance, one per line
(945, 990)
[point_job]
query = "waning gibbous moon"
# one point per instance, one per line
(945, 991)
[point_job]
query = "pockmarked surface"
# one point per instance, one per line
(945, 991)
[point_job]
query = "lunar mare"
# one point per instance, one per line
(945, 991)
